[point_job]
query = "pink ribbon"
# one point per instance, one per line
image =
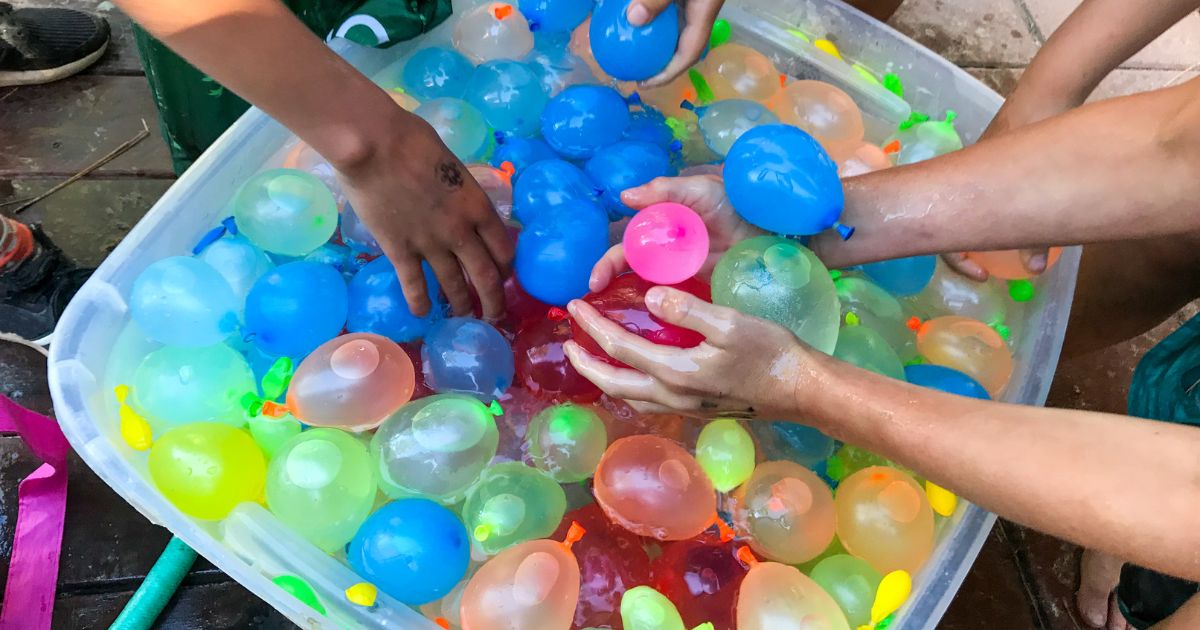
(41, 510)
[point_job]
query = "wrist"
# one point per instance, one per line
(374, 127)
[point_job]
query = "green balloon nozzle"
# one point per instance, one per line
(704, 93)
(913, 119)
(1020, 290)
(495, 409)
(275, 382)
(893, 84)
(678, 128)
(721, 32)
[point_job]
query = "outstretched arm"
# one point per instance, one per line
(416, 197)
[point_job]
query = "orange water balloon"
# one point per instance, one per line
(653, 487)
(351, 382)
(969, 346)
(667, 98)
(824, 111)
(1007, 265)
(862, 160)
(532, 585)
(775, 595)
(737, 71)
(884, 518)
(787, 512)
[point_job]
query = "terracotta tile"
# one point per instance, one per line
(984, 33)
(1178, 48)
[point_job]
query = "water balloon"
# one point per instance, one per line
(555, 254)
(510, 96)
(924, 140)
(884, 518)
(866, 303)
(206, 468)
(611, 561)
(584, 118)
(1007, 264)
(555, 16)
(296, 307)
(285, 211)
(412, 549)
(542, 366)
(356, 234)
(824, 111)
(493, 30)
(512, 503)
(183, 301)
(460, 125)
(624, 301)
(666, 243)
(546, 186)
(436, 72)
(521, 153)
(723, 122)
(902, 276)
(851, 582)
(703, 575)
(643, 608)
(467, 356)
(867, 349)
(176, 385)
(628, 52)
(786, 510)
(736, 71)
(377, 304)
(351, 382)
(946, 380)
(238, 261)
(969, 346)
(653, 487)
(726, 453)
(648, 125)
(532, 585)
(776, 596)
(567, 441)
(624, 165)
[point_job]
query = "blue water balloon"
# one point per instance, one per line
(509, 94)
(557, 66)
(468, 356)
(628, 52)
(555, 16)
(337, 256)
(460, 125)
(436, 72)
(548, 184)
(239, 261)
(556, 252)
(623, 165)
(520, 152)
(584, 118)
(377, 303)
(945, 379)
(902, 276)
(780, 179)
(412, 549)
(296, 307)
(182, 301)
(648, 125)
(793, 441)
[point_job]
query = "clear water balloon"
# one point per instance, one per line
(567, 441)
(864, 347)
(866, 303)
(951, 293)
(924, 140)
(723, 122)
(467, 356)
(559, 67)
(356, 234)
(285, 211)
(460, 125)
(512, 503)
(493, 30)
(851, 582)
(238, 261)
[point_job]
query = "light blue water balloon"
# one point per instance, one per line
(296, 307)
(460, 125)
(183, 301)
(377, 303)
(584, 118)
(436, 72)
(509, 94)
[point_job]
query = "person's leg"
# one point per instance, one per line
(40, 45)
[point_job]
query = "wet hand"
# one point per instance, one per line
(421, 204)
(703, 193)
(746, 367)
(698, 17)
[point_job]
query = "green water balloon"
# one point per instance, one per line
(272, 433)
(851, 582)
(322, 485)
(862, 346)
(780, 280)
(643, 608)
(867, 303)
(301, 590)
(567, 441)
(512, 503)
(726, 453)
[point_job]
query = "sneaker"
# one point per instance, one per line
(44, 45)
(36, 282)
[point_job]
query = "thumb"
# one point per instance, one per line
(640, 12)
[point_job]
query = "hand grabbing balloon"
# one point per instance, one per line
(698, 18)
(702, 193)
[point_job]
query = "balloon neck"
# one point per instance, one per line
(499, 137)
(1001, 330)
(747, 557)
(495, 409)
(852, 319)
(724, 532)
(273, 409)
(442, 622)
(914, 323)
(678, 128)
(634, 99)
(844, 231)
(556, 314)
(507, 170)
(574, 534)
(704, 93)
(782, 79)
(893, 84)
(950, 116)
(209, 238)
(691, 107)
(675, 147)
(534, 26)
(134, 428)
(891, 147)
(707, 625)
(913, 119)
(502, 11)
(275, 382)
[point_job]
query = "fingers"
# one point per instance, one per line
(607, 268)
(640, 12)
(619, 343)
(697, 29)
(700, 192)
(684, 309)
(486, 278)
(495, 237)
(450, 274)
(1034, 260)
(412, 283)
(643, 391)
(969, 268)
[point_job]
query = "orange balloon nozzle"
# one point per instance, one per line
(442, 622)
(913, 323)
(574, 534)
(782, 79)
(725, 533)
(747, 557)
(891, 147)
(273, 409)
(502, 11)
(507, 169)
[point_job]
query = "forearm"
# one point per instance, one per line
(1126, 486)
(258, 49)
(1115, 170)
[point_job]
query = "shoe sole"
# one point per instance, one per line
(38, 77)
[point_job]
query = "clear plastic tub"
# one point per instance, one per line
(94, 345)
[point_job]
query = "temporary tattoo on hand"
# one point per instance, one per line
(449, 173)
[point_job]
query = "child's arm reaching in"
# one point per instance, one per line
(417, 198)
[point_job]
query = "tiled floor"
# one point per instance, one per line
(1021, 580)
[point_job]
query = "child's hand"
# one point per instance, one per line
(421, 203)
(703, 193)
(698, 17)
(746, 367)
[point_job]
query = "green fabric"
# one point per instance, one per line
(1165, 387)
(194, 110)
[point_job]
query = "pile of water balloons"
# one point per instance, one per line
(465, 467)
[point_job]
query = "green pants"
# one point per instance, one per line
(1166, 387)
(194, 110)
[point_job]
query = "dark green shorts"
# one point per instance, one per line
(194, 110)
(1165, 387)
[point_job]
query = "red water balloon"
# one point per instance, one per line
(624, 302)
(542, 366)
(611, 561)
(521, 309)
(701, 576)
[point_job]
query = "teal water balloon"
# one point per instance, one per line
(512, 503)
(567, 441)
(183, 301)
(867, 349)
(866, 303)
(628, 52)
(902, 276)
(322, 485)
(851, 582)
(176, 385)
(434, 447)
(583, 118)
(467, 356)
(510, 95)
(723, 122)
(285, 211)
(460, 125)
(780, 280)
(436, 72)
(239, 261)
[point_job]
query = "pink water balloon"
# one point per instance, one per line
(653, 487)
(666, 243)
(532, 585)
(351, 382)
